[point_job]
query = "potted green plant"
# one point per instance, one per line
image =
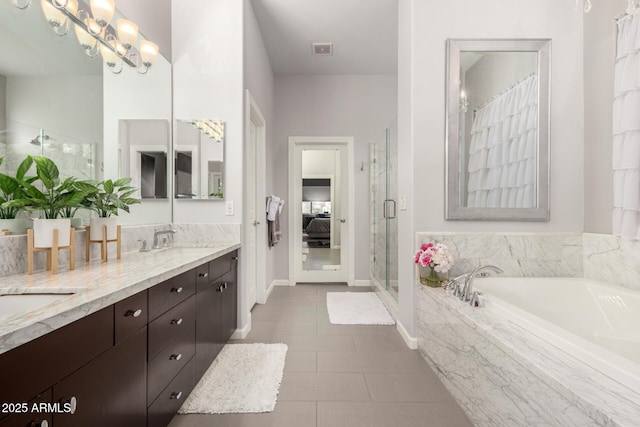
(107, 198)
(10, 189)
(55, 196)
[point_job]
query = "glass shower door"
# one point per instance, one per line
(384, 196)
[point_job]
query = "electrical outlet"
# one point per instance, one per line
(229, 208)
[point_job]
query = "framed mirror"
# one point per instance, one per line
(199, 159)
(498, 94)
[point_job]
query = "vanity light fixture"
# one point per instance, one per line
(212, 128)
(58, 20)
(95, 34)
(464, 101)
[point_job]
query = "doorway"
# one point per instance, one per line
(321, 213)
(254, 231)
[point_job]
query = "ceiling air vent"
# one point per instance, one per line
(322, 48)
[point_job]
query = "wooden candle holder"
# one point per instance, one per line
(52, 252)
(103, 243)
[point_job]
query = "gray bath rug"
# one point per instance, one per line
(244, 378)
(357, 308)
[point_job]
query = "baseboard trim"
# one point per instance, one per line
(281, 283)
(240, 334)
(366, 283)
(410, 341)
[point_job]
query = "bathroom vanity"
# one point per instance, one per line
(125, 343)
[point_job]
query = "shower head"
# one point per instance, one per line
(36, 140)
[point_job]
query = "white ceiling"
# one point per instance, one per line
(364, 34)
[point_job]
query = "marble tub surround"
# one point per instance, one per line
(502, 375)
(95, 285)
(518, 254)
(612, 259)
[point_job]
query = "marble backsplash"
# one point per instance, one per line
(14, 248)
(601, 257)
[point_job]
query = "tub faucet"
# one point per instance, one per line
(467, 292)
(454, 287)
(157, 233)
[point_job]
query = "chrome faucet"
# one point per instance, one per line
(157, 233)
(467, 293)
(454, 287)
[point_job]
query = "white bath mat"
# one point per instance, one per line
(243, 378)
(357, 308)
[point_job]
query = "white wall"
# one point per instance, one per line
(259, 80)
(599, 61)
(423, 138)
(153, 18)
(332, 105)
(208, 84)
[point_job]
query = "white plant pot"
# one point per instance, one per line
(76, 222)
(43, 232)
(96, 228)
(15, 226)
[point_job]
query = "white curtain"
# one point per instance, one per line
(503, 149)
(626, 130)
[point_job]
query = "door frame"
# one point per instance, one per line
(253, 114)
(347, 242)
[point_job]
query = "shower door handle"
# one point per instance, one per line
(385, 211)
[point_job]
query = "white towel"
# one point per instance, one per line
(273, 208)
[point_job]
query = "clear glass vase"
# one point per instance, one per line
(430, 277)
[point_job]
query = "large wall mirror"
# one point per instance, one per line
(498, 130)
(57, 101)
(199, 159)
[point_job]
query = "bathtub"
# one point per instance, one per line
(551, 351)
(597, 324)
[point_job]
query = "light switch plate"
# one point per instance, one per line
(229, 208)
(403, 202)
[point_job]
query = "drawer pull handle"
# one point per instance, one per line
(176, 322)
(43, 423)
(176, 356)
(176, 396)
(235, 258)
(224, 285)
(220, 288)
(71, 404)
(203, 274)
(132, 313)
(177, 290)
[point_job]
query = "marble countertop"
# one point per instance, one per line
(93, 286)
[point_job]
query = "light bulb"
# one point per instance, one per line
(127, 33)
(102, 11)
(148, 52)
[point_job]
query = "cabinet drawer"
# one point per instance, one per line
(168, 294)
(176, 324)
(130, 315)
(163, 409)
(221, 265)
(33, 367)
(168, 362)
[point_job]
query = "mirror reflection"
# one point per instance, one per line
(498, 129)
(320, 191)
(199, 159)
(143, 146)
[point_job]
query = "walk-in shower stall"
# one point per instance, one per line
(383, 160)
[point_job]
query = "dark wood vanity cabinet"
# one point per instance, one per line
(131, 364)
(217, 311)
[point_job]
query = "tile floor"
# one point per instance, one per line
(339, 375)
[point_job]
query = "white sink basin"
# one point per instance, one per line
(23, 303)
